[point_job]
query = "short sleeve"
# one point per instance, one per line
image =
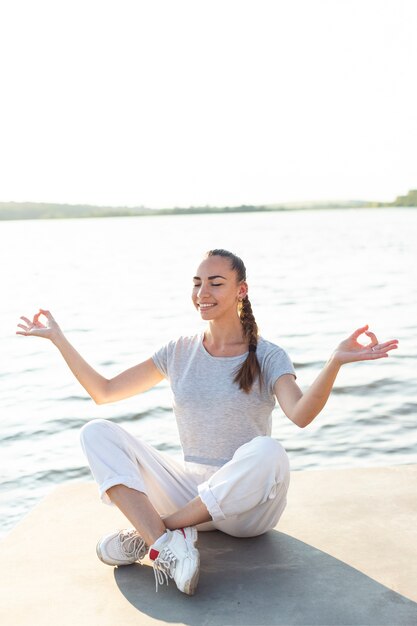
(171, 358)
(276, 363)
(160, 358)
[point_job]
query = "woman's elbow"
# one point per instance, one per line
(99, 400)
(301, 424)
(300, 420)
(102, 395)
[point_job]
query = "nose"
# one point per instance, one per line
(202, 291)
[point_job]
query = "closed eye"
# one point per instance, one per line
(212, 284)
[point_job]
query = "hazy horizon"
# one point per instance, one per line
(312, 201)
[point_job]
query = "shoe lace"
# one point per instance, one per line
(132, 544)
(164, 567)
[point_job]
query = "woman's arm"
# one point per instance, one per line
(303, 408)
(130, 382)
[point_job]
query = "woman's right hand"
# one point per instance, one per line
(35, 328)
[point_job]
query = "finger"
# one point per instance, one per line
(47, 314)
(386, 344)
(38, 326)
(359, 331)
(25, 319)
(36, 322)
(372, 337)
(23, 327)
(393, 347)
(377, 352)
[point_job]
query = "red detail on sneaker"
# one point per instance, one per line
(153, 554)
(183, 532)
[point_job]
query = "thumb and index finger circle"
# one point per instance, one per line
(43, 312)
(370, 334)
(372, 337)
(359, 331)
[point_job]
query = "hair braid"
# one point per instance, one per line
(250, 369)
(250, 327)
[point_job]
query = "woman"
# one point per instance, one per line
(225, 383)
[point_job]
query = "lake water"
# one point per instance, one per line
(120, 288)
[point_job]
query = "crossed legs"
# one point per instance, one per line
(245, 497)
(138, 509)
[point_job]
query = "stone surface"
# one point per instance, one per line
(344, 553)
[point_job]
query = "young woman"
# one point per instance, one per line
(225, 383)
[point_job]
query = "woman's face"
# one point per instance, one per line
(216, 290)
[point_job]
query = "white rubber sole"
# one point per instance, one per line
(191, 536)
(191, 585)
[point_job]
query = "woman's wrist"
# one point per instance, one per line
(335, 361)
(57, 337)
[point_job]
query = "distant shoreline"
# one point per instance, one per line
(38, 210)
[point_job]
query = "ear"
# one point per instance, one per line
(243, 290)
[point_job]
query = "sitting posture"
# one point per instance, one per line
(225, 382)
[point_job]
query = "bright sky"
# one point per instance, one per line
(184, 102)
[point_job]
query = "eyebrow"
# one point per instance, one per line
(210, 277)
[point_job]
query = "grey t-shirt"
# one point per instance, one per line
(214, 416)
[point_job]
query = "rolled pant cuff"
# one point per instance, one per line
(210, 502)
(128, 481)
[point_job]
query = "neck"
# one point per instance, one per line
(221, 334)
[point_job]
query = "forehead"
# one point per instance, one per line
(215, 266)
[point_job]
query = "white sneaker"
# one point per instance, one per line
(122, 547)
(177, 558)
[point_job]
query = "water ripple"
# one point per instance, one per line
(363, 424)
(365, 390)
(70, 423)
(49, 476)
(408, 408)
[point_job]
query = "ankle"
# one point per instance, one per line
(160, 540)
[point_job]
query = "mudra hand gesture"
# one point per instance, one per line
(35, 328)
(351, 350)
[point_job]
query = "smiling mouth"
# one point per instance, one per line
(204, 307)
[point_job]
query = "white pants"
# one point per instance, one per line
(245, 497)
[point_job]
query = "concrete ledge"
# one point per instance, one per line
(344, 553)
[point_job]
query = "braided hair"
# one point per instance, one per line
(250, 370)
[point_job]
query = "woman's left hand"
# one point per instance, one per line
(351, 350)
